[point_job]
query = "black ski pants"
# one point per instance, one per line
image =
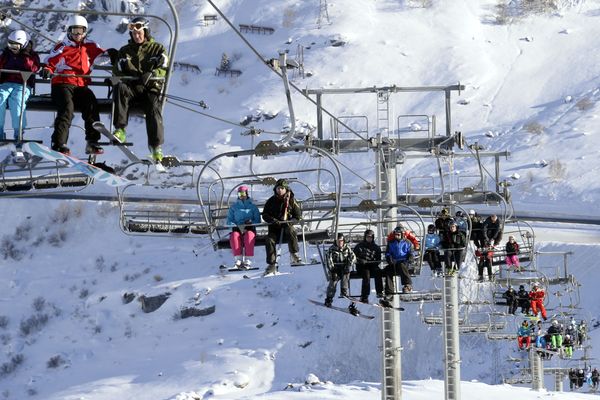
(65, 97)
(124, 94)
(453, 256)
(432, 256)
(366, 271)
(278, 233)
(335, 275)
(393, 269)
(487, 264)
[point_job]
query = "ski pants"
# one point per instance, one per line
(525, 306)
(524, 341)
(512, 261)
(569, 351)
(391, 270)
(487, 264)
(278, 233)
(512, 306)
(335, 274)
(540, 342)
(432, 256)
(366, 271)
(556, 341)
(65, 97)
(538, 305)
(242, 241)
(13, 95)
(453, 256)
(149, 101)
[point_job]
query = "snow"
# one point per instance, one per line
(532, 88)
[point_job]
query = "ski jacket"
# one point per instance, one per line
(512, 249)
(73, 58)
(567, 342)
(492, 230)
(408, 235)
(24, 60)
(454, 240)
(524, 331)
(340, 258)
(537, 295)
(442, 224)
(523, 295)
(432, 241)
(398, 250)
(368, 253)
(461, 223)
(136, 59)
(476, 227)
(243, 212)
(281, 208)
(510, 295)
(554, 330)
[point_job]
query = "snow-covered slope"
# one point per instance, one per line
(83, 341)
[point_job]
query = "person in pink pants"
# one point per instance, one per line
(243, 214)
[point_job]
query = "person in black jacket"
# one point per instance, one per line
(476, 229)
(368, 259)
(511, 300)
(523, 299)
(492, 230)
(454, 243)
(340, 260)
(280, 212)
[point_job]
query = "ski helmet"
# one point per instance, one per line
(452, 223)
(471, 212)
(18, 38)
(430, 228)
(399, 228)
(243, 189)
(77, 21)
(554, 322)
(139, 23)
(459, 214)
(521, 287)
(535, 284)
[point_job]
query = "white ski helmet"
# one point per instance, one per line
(20, 37)
(78, 20)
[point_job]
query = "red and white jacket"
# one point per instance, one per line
(72, 58)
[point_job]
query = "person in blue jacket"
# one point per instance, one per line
(398, 254)
(243, 214)
(433, 243)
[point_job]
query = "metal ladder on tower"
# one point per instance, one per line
(451, 338)
(391, 353)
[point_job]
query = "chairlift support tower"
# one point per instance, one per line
(323, 13)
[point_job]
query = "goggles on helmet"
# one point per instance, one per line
(136, 26)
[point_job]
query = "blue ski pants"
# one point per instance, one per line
(11, 94)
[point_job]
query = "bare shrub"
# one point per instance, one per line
(23, 231)
(11, 365)
(534, 127)
(5, 339)
(38, 303)
(158, 278)
(584, 104)
(3, 321)
(84, 293)
(9, 250)
(57, 239)
(33, 324)
(557, 170)
(55, 362)
(65, 212)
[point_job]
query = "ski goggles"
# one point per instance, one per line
(14, 45)
(77, 30)
(136, 26)
(242, 194)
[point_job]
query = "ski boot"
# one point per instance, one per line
(295, 258)
(353, 310)
(61, 148)
(406, 289)
(246, 264)
(384, 302)
(93, 148)
(328, 302)
(156, 154)
(271, 269)
(120, 135)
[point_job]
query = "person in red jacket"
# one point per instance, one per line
(69, 62)
(537, 300)
(18, 56)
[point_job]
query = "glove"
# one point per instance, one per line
(155, 61)
(45, 73)
(145, 79)
(123, 65)
(113, 54)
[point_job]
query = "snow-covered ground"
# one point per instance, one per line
(532, 88)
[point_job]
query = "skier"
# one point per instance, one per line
(512, 254)
(511, 299)
(398, 254)
(476, 229)
(17, 56)
(580, 378)
(368, 259)
(442, 222)
(572, 379)
(280, 212)
(461, 221)
(454, 243)
(537, 300)
(70, 59)
(595, 378)
(432, 251)
(524, 336)
(492, 230)
(555, 333)
(408, 235)
(145, 60)
(582, 332)
(523, 298)
(340, 260)
(243, 214)
(568, 346)
(485, 254)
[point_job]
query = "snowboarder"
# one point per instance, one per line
(68, 60)
(512, 254)
(146, 60)
(243, 214)
(454, 243)
(537, 300)
(17, 56)
(492, 230)
(368, 259)
(432, 250)
(524, 301)
(524, 336)
(340, 261)
(281, 211)
(486, 255)
(398, 254)
(511, 300)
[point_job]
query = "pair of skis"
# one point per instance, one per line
(355, 300)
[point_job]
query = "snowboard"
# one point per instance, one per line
(39, 150)
(357, 300)
(344, 310)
